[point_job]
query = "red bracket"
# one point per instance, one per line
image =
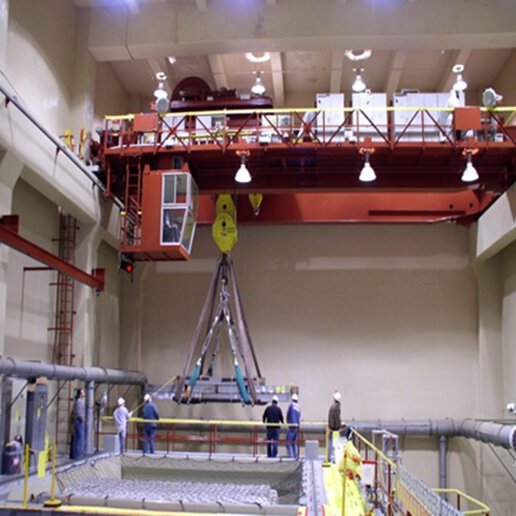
(9, 236)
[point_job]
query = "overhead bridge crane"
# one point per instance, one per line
(167, 169)
(309, 171)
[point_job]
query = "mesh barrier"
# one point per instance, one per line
(105, 468)
(187, 480)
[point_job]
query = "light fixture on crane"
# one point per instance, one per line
(367, 174)
(470, 173)
(243, 175)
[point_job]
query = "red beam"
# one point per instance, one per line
(10, 237)
(348, 207)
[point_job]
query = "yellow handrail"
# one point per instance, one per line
(273, 111)
(484, 509)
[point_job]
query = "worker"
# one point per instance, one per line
(150, 412)
(294, 418)
(273, 414)
(334, 423)
(121, 415)
(78, 418)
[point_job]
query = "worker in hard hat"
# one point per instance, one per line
(293, 418)
(150, 412)
(121, 415)
(78, 420)
(273, 414)
(334, 423)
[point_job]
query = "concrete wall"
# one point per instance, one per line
(505, 82)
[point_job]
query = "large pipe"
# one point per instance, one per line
(12, 367)
(486, 431)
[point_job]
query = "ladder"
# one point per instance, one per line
(130, 225)
(62, 351)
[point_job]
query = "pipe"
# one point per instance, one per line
(443, 480)
(90, 403)
(59, 144)
(499, 434)
(11, 367)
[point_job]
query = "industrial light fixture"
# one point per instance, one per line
(460, 84)
(243, 175)
(354, 56)
(367, 174)
(161, 95)
(470, 173)
(358, 85)
(160, 91)
(490, 98)
(258, 58)
(258, 86)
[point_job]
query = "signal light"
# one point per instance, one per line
(126, 263)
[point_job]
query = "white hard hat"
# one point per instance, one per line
(275, 398)
(337, 396)
(147, 397)
(294, 397)
(121, 401)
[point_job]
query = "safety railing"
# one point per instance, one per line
(461, 498)
(302, 128)
(210, 436)
(385, 474)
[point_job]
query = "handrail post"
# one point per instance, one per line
(26, 476)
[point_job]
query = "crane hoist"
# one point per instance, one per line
(222, 316)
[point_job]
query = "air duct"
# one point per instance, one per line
(24, 369)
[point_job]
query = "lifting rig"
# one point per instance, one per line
(223, 310)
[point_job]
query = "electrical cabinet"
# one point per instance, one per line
(418, 119)
(36, 415)
(370, 115)
(330, 123)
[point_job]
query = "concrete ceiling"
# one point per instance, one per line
(414, 43)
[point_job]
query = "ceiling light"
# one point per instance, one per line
(358, 85)
(258, 58)
(460, 84)
(172, 60)
(243, 175)
(470, 173)
(160, 92)
(352, 56)
(258, 87)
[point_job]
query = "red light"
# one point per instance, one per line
(126, 264)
